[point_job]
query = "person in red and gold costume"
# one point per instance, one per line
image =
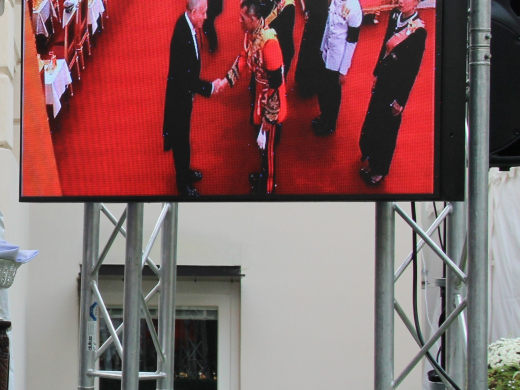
(262, 58)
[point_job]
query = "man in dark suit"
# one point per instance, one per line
(183, 83)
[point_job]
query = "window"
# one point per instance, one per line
(196, 349)
(206, 331)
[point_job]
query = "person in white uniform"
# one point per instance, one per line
(338, 44)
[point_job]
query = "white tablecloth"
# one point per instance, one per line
(67, 16)
(95, 8)
(40, 16)
(56, 84)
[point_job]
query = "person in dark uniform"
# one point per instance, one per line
(310, 64)
(182, 85)
(281, 20)
(337, 47)
(214, 10)
(394, 76)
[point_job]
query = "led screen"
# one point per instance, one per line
(214, 100)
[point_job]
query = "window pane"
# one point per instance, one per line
(196, 341)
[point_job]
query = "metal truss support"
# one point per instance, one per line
(385, 303)
(455, 340)
(478, 149)
(135, 303)
(132, 302)
(167, 299)
(87, 315)
(384, 295)
(472, 340)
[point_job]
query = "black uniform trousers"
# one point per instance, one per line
(329, 97)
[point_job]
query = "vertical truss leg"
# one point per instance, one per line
(167, 298)
(455, 344)
(478, 147)
(87, 321)
(384, 296)
(132, 296)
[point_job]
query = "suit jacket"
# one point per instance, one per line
(183, 83)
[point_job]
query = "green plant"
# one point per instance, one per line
(504, 364)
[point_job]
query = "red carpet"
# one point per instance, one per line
(110, 141)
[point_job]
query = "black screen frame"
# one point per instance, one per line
(450, 135)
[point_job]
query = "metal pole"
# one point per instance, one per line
(88, 314)
(167, 298)
(384, 296)
(132, 297)
(479, 76)
(455, 346)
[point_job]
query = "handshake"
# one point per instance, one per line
(219, 85)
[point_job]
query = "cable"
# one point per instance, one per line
(441, 241)
(426, 281)
(430, 358)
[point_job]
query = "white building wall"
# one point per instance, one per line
(16, 215)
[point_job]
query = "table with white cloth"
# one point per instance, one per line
(95, 9)
(40, 16)
(56, 84)
(67, 16)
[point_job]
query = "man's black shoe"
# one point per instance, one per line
(253, 178)
(188, 191)
(317, 123)
(194, 176)
(324, 130)
(320, 127)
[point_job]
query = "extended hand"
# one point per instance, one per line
(219, 85)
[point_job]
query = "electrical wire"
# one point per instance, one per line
(430, 358)
(441, 241)
(426, 281)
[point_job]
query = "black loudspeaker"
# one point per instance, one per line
(504, 126)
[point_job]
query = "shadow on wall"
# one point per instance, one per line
(2, 2)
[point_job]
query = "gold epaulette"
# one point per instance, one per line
(268, 33)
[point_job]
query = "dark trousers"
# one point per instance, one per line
(266, 182)
(182, 154)
(214, 10)
(329, 97)
(379, 133)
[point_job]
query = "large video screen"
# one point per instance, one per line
(255, 100)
